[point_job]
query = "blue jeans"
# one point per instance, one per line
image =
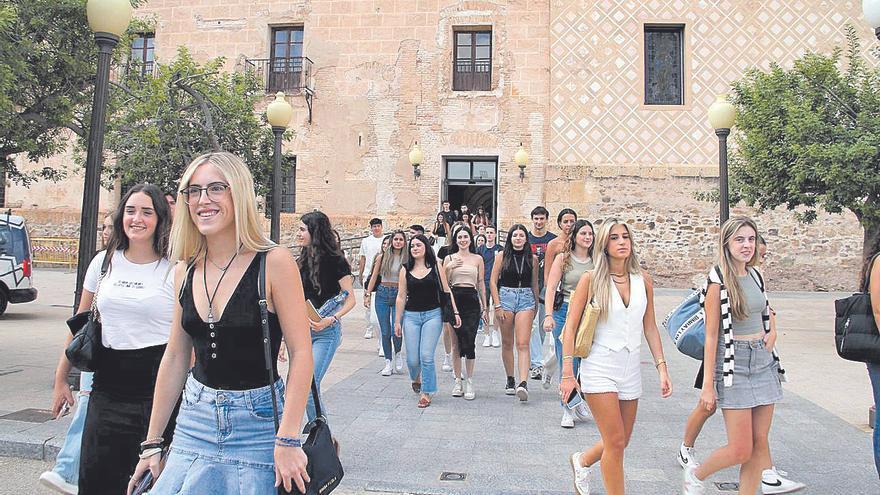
(874, 373)
(324, 345)
(67, 460)
(559, 316)
(422, 330)
(386, 297)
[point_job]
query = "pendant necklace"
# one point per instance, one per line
(205, 280)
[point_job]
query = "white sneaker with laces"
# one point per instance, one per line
(496, 338)
(487, 342)
(692, 485)
(53, 480)
(469, 393)
(567, 419)
(772, 481)
(398, 363)
(686, 456)
(387, 370)
(447, 363)
(583, 412)
(582, 475)
(457, 388)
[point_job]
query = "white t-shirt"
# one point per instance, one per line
(135, 301)
(370, 247)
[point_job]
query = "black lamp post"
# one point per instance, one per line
(278, 113)
(722, 115)
(108, 19)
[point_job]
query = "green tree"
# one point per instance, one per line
(808, 138)
(159, 123)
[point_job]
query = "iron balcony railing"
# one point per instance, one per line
(291, 74)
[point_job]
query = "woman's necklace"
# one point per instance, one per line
(212, 295)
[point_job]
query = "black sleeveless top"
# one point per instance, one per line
(519, 273)
(230, 356)
(422, 294)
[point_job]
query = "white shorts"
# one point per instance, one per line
(605, 371)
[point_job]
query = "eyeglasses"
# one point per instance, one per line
(214, 190)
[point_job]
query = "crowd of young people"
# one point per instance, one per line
(185, 373)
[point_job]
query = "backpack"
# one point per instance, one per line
(686, 325)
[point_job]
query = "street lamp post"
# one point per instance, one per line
(278, 113)
(521, 157)
(871, 11)
(108, 19)
(722, 115)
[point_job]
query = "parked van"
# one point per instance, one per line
(16, 283)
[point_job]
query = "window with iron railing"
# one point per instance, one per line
(286, 59)
(143, 46)
(472, 65)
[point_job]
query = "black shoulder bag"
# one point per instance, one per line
(447, 313)
(324, 469)
(855, 331)
(84, 350)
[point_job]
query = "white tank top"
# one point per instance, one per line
(624, 326)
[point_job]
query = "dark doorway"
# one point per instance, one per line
(472, 181)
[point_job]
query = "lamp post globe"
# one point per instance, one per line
(108, 16)
(521, 158)
(278, 114)
(722, 115)
(871, 11)
(415, 159)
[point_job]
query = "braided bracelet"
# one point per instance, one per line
(287, 441)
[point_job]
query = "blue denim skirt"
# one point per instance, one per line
(516, 299)
(755, 377)
(224, 442)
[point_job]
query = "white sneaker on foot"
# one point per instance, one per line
(582, 475)
(53, 480)
(686, 456)
(496, 338)
(447, 363)
(773, 482)
(487, 342)
(583, 412)
(387, 370)
(457, 388)
(522, 392)
(691, 484)
(469, 393)
(398, 363)
(567, 419)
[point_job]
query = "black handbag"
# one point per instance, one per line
(447, 312)
(559, 297)
(855, 331)
(84, 350)
(324, 468)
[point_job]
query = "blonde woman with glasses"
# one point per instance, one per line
(225, 440)
(610, 375)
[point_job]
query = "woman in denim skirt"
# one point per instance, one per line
(743, 378)
(327, 284)
(514, 284)
(385, 274)
(225, 440)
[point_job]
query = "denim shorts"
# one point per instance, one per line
(755, 377)
(224, 442)
(516, 299)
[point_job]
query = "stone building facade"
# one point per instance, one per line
(567, 79)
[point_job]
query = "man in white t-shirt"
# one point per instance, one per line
(370, 247)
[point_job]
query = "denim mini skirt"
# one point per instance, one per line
(516, 299)
(755, 377)
(224, 442)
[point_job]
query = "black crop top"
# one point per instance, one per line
(229, 356)
(422, 294)
(519, 273)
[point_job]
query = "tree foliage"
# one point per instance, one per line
(160, 122)
(808, 137)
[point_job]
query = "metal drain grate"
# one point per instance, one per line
(29, 415)
(727, 486)
(449, 476)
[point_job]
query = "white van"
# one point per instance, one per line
(16, 284)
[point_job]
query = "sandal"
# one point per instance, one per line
(417, 387)
(423, 402)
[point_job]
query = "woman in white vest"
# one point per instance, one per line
(610, 375)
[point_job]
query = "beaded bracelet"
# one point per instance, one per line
(287, 441)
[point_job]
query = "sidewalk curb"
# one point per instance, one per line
(38, 441)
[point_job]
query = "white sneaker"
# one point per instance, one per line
(457, 388)
(487, 342)
(686, 456)
(387, 370)
(772, 481)
(582, 475)
(496, 338)
(567, 419)
(398, 363)
(583, 412)
(447, 363)
(368, 334)
(53, 480)
(469, 393)
(522, 392)
(691, 484)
